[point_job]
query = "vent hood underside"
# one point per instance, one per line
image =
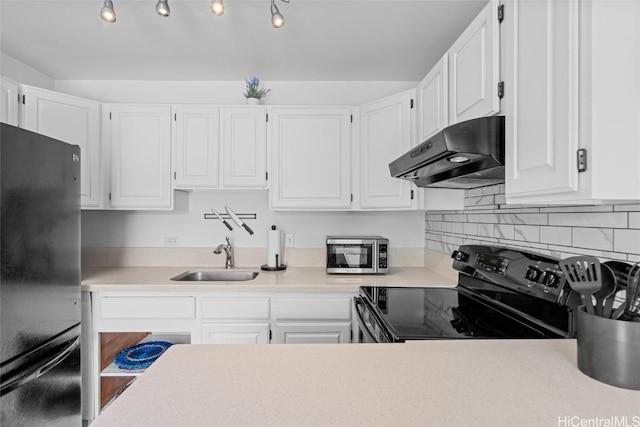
(477, 144)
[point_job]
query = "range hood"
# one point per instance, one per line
(465, 155)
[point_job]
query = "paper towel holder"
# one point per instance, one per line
(278, 267)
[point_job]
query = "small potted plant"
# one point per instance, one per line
(252, 92)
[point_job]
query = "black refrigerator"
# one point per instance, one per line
(40, 280)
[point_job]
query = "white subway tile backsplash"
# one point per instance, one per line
(478, 201)
(483, 218)
(604, 231)
(556, 235)
(593, 238)
(500, 199)
(626, 241)
(470, 228)
(504, 231)
(524, 218)
(475, 192)
(486, 230)
(596, 219)
(627, 208)
(457, 227)
(528, 233)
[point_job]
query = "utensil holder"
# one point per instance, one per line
(609, 350)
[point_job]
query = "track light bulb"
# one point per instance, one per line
(107, 13)
(162, 8)
(276, 18)
(217, 7)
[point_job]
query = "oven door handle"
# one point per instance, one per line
(363, 326)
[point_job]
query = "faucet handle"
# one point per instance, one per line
(228, 241)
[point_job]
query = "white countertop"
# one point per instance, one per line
(294, 279)
(437, 383)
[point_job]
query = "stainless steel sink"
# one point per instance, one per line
(215, 276)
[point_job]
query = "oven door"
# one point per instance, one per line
(369, 326)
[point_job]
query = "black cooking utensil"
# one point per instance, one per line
(583, 275)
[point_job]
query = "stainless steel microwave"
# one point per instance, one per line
(357, 255)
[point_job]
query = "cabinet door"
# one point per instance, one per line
(8, 101)
(311, 158)
(433, 100)
(543, 127)
(140, 157)
(385, 135)
(312, 333)
(197, 146)
(244, 149)
(474, 70)
(72, 120)
(235, 333)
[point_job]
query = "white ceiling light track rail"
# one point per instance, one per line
(108, 13)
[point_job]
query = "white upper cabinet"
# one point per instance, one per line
(474, 68)
(196, 133)
(386, 130)
(8, 101)
(575, 94)
(140, 156)
(244, 147)
(433, 100)
(310, 158)
(75, 121)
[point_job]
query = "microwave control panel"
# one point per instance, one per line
(382, 256)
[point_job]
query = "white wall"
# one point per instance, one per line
(230, 92)
(404, 229)
(23, 73)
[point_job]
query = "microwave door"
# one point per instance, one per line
(351, 256)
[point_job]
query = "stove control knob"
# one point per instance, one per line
(532, 274)
(553, 280)
(460, 256)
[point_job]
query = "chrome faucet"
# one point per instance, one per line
(228, 250)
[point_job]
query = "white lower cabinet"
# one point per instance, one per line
(235, 333)
(117, 320)
(312, 318)
(312, 332)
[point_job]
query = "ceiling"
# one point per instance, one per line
(330, 40)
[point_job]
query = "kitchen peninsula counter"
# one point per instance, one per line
(438, 383)
(294, 279)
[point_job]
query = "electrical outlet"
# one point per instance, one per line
(171, 241)
(288, 240)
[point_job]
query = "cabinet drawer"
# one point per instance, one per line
(235, 308)
(312, 308)
(147, 308)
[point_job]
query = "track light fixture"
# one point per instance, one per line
(217, 7)
(162, 8)
(107, 13)
(277, 20)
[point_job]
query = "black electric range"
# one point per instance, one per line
(501, 293)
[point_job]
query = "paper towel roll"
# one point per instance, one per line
(274, 247)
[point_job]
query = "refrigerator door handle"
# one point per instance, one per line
(42, 367)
